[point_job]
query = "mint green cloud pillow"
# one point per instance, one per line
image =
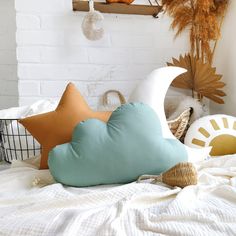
(129, 145)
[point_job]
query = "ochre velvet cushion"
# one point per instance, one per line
(56, 127)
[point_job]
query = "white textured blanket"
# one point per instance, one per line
(133, 209)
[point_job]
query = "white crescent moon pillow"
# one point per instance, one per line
(152, 91)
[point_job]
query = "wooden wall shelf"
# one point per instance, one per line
(118, 8)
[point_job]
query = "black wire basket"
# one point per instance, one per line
(16, 143)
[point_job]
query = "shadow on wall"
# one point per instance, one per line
(8, 65)
(225, 63)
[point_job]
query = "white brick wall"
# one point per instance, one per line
(51, 50)
(8, 77)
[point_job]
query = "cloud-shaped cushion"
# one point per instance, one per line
(129, 145)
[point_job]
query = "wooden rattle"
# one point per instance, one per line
(181, 175)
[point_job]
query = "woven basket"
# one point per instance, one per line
(119, 94)
(179, 125)
(181, 175)
(110, 101)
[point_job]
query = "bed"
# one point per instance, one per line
(31, 203)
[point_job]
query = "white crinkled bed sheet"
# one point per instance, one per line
(50, 208)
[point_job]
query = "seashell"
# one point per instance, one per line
(181, 175)
(90, 22)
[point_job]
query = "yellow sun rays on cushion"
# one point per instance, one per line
(217, 131)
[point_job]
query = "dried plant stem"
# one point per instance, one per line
(197, 48)
(199, 97)
(216, 42)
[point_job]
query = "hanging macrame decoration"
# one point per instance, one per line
(90, 23)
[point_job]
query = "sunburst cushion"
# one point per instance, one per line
(129, 145)
(217, 131)
(56, 127)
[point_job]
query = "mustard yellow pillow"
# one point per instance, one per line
(53, 128)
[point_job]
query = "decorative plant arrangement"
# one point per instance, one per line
(203, 19)
(201, 78)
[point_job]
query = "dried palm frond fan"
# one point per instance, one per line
(203, 19)
(181, 175)
(200, 77)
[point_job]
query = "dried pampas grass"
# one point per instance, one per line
(203, 18)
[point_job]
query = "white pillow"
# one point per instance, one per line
(152, 91)
(38, 107)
